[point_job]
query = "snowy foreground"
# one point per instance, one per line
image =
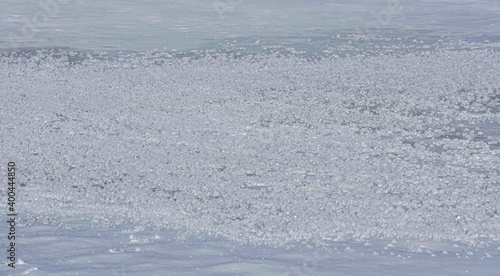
(382, 164)
(133, 250)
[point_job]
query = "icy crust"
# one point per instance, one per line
(262, 148)
(78, 249)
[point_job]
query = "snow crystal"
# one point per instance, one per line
(265, 148)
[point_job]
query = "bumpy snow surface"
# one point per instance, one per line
(267, 149)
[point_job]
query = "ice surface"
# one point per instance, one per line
(78, 249)
(280, 137)
(267, 150)
(196, 24)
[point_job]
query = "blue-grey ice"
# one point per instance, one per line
(309, 151)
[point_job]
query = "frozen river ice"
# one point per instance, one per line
(145, 25)
(262, 149)
(307, 149)
(77, 249)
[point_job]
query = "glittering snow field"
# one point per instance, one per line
(266, 149)
(363, 159)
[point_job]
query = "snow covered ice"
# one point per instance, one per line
(340, 154)
(265, 149)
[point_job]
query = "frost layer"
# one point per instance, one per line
(261, 148)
